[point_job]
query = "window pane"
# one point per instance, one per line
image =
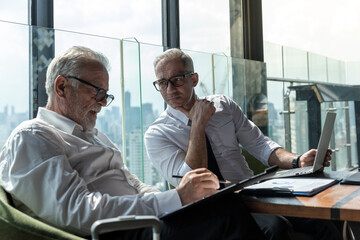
(306, 25)
(336, 71)
(202, 65)
(299, 125)
(352, 73)
(239, 83)
(329, 42)
(111, 18)
(317, 68)
(14, 11)
(295, 64)
(14, 75)
(133, 115)
(275, 111)
(353, 137)
(339, 137)
(152, 107)
(222, 73)
(205, 26)
(273, 60)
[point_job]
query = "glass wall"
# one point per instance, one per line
(288, 124)
(14, 72)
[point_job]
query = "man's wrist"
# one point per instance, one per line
(295, 161)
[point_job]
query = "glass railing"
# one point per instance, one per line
(288, 117)
(137, 104)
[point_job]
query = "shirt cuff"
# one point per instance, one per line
(184, 169)
(168, 201)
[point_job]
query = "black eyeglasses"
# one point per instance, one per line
(176, 81)
(101, 93)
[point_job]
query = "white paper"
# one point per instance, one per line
(293, 184)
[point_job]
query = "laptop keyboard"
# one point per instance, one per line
(294, 172)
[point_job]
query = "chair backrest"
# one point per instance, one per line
(4, 196)
(16, 225)
(253, 163)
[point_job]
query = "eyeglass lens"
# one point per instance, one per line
(101, 95)
(176, 81)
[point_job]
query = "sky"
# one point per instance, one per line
(325, 27)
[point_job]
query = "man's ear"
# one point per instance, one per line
(59, 86)
(195, 79)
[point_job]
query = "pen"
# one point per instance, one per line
(220, 181)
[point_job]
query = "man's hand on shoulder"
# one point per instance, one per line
(200, 113)
(196, 185)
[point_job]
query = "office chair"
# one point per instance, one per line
(16, 225)
(125, 223)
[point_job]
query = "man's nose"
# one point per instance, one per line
(170, 87)
(103, 102)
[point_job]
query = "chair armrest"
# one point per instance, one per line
(125, 223)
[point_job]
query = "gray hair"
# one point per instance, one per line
(174, 53)
(70, 63)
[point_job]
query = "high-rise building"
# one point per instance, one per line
(139, 163)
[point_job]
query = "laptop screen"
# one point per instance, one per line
(324, 140)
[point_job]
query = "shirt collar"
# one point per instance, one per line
(61, 122)
(178, 114)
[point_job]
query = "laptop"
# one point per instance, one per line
(320, 154)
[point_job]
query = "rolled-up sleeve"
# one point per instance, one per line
(255, 142)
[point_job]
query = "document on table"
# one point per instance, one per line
(290, 186)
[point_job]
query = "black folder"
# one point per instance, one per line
(353, 179)
(231, 188)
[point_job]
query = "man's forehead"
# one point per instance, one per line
(98, 75)
(92, 64)
(169, 68)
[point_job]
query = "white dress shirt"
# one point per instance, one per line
(70, 178)
(167, 141)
